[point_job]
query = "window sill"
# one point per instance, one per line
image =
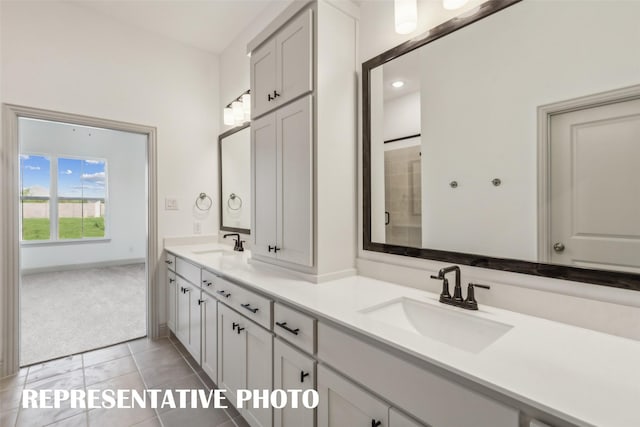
(29, 243)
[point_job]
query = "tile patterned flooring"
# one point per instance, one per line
(139, 364)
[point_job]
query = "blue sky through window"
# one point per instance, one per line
(81, 178)
(36, 175)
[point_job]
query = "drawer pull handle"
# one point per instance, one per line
(375, 423)
(274, 248)
(168, 262)
(234, 326)
(239, 329)
(303, 374)
(200, 301)
(248, 307)
(207, 282)
(284, 326)
(224, 294)
(172, 280)
(186, 290)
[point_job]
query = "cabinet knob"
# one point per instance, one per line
(375, 423)
(303, 375)
(200, 301)
(172, 280)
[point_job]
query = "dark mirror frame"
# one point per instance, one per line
(588, 276)
(220, 138)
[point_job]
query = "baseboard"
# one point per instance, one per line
(163, 330)
(71, 267)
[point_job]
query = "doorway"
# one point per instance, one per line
(592, 200)
(74, 233)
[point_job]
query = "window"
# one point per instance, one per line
(63, 198)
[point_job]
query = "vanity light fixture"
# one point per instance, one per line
(453, 4)
(397, 84)
(406, 16)
(238, 111)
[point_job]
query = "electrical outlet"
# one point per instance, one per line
(170, 204)
(197, 227)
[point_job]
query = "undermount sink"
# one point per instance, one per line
(448, 325)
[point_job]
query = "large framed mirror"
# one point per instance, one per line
(234, 154)
(509, 139)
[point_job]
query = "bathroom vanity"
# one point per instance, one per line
(380, 352)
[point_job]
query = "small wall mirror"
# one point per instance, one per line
(234, 154)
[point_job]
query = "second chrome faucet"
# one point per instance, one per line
(470, 302)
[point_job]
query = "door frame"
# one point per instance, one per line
(545, 113)
(9, 223)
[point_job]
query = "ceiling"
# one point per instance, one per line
(210, 25)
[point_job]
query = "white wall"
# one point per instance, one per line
(402, 116)
(61, 56)
(601, 308)
(125, 154)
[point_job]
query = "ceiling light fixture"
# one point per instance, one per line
(406, 16)
(397, 84)
(453, 4)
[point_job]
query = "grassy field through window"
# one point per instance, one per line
(68, 228)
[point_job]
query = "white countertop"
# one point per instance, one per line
(582, 376)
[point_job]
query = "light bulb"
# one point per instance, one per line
(397, 84)
(228, 116)
(453, 4)
(406, 16)
(246, 105)
(238, 112)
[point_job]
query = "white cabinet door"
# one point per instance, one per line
(209, 341)
(263, 78)
(232, 353)
(295, 182)
(172, 289)
(259, 369)
(245, 361)
(183, 312)
(344, 404)
(292, 370)
(193, 343)
(294, 46)
(265, 162)
(398, 419)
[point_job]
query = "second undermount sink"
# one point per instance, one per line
(448, 325)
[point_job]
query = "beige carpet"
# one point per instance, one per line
(70, 312)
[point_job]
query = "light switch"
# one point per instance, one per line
(170, 204)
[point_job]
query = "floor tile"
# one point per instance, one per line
(54, 368)
(241, 422)
(201, 417)
(8, 418)
(144, 344)
(132, 381)
(191, 382)
(156, 357)
(14, 381)
(10, 398)
(68, 381)
(158, 375)
(79, 420)
(35, 417)
(119, 417)
(104, 371)
(106, 354)
(152, 422)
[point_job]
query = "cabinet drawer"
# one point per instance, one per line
(208, 281)
(408, 384)
(250, 304)
(295, 327)
(170, 260)
(188, 271)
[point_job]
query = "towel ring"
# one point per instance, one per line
(203, 202)
(234, 196)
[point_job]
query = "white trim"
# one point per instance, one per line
(545, 112)
(9, 224)
(279, 21)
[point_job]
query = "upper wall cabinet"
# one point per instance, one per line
(303, 140)
(281, 68)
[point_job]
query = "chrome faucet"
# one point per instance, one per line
(238, 243)
(470, 302)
